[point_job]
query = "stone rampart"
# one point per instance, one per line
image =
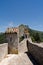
(36, 50)
(3, 50)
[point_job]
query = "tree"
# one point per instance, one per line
(37, 37)
(2, 38)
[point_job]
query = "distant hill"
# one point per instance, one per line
(21, 29)
(36, 36)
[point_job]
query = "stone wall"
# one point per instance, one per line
(22, 47)
(12, 40)
(3, 50)
(36, 50)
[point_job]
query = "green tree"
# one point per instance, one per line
(2, 38)
(37, 37)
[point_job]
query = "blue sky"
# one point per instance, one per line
(15, 12)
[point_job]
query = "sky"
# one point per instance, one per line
(16, 12)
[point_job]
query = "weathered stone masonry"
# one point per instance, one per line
(36, 51)
(3, 50)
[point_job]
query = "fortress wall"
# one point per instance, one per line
(22, 47)
(12, 39)
(3, 50)
(36, 50)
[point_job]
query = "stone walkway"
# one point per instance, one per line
(13, 59)
(18, 59)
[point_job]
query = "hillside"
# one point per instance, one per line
(36, 36)
(39, 33)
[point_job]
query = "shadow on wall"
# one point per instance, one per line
(36, 52)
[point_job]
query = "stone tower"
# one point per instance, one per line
(12, 39)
